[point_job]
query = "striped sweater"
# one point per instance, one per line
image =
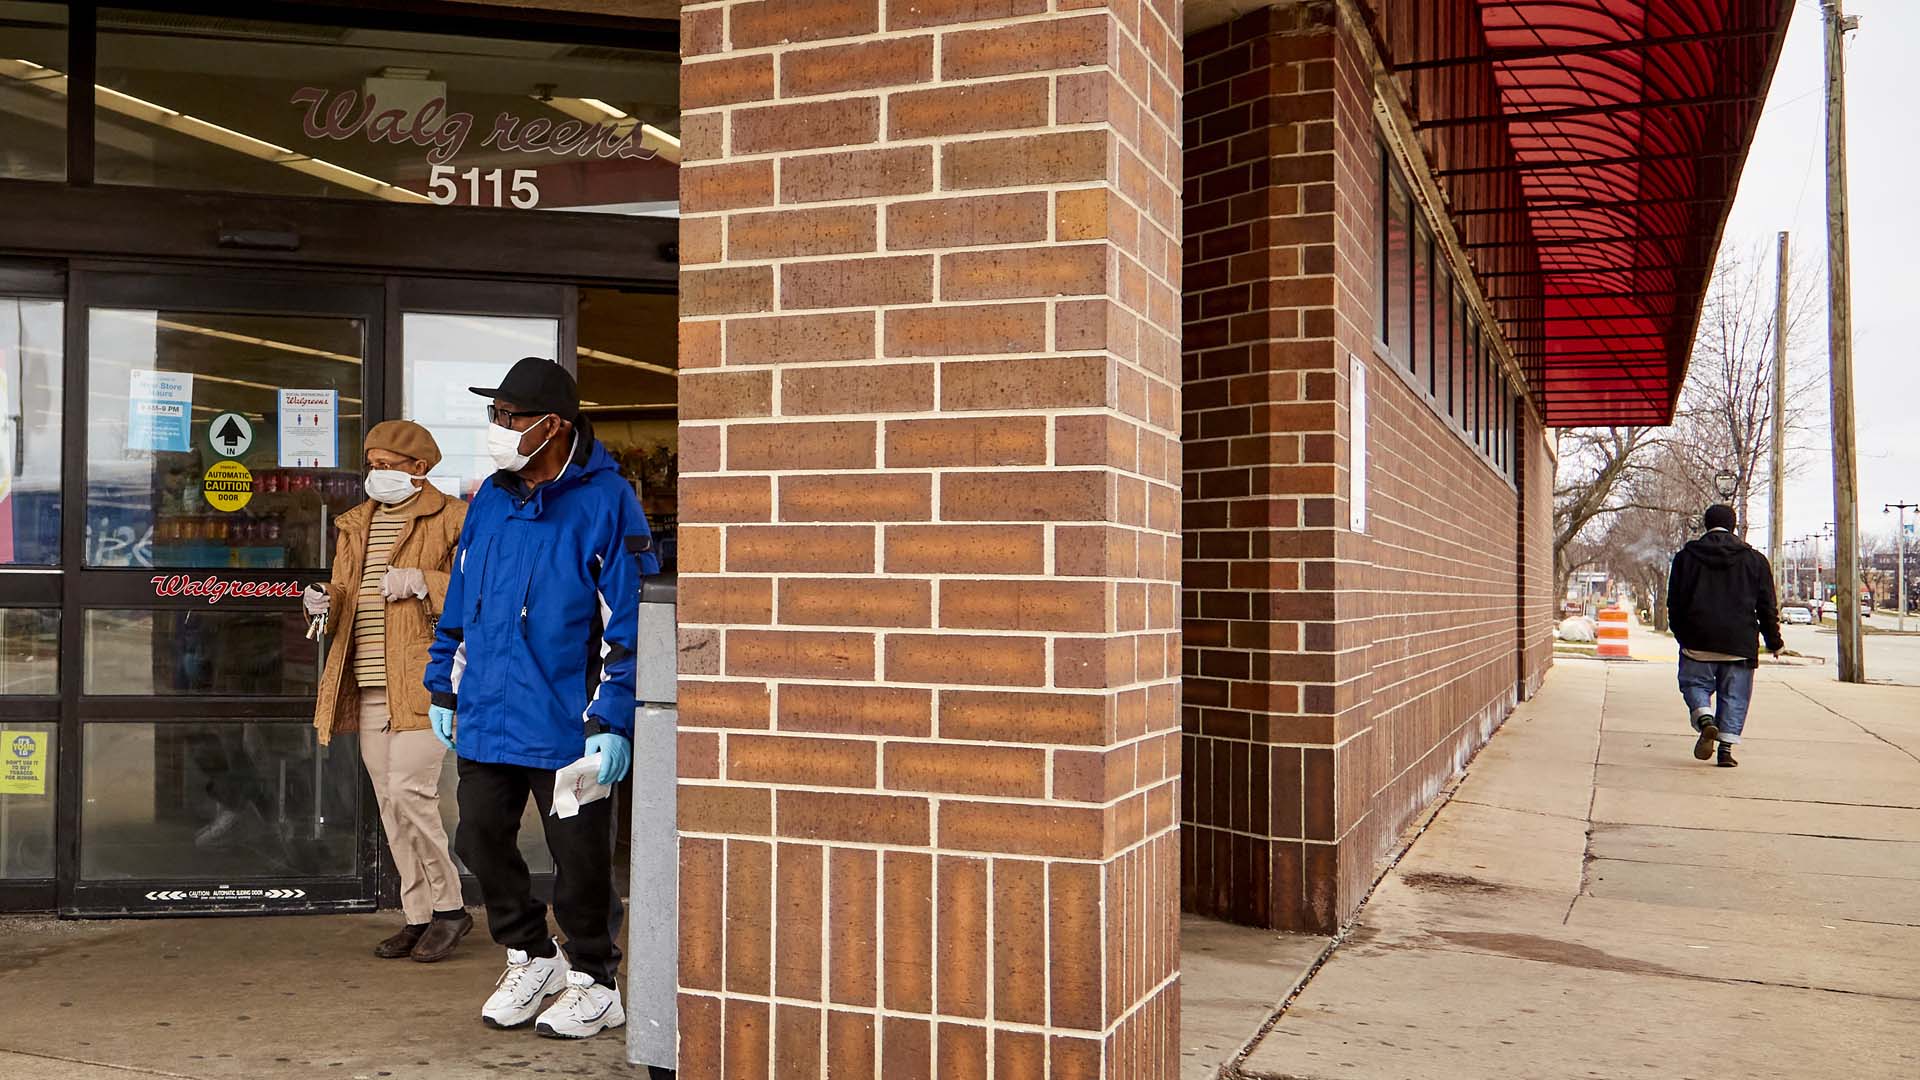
(370, 613)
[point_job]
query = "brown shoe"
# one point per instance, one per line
(400, 944)
(1709, 738)
(441, 936)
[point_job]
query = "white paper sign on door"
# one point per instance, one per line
(309, 429)
(1357, 446)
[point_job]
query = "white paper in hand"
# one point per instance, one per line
(577, 784)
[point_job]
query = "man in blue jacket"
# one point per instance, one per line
(532, 666)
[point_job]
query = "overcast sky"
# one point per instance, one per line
(1783, 187)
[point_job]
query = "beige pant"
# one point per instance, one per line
(405, 769)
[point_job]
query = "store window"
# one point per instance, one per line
(1420, 358)
(33, 91)
(1450, 389)
(220, 440)
(1443, 320)
(31, 359)
(629, 391)
(1470, 416)
(1424, 324)
(1398, 245)
(231, 104)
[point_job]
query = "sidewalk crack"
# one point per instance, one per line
(1909, 754)
(1593, 800)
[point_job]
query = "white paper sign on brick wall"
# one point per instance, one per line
(1357, 446)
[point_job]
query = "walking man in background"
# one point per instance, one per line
(532, 669)
(1720, 602)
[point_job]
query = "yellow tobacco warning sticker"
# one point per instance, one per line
(229, 486)
(23, 763)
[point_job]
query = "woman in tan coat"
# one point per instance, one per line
(389, 582)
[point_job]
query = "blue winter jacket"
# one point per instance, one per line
(535, 645)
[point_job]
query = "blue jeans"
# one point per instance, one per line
(1717, 689)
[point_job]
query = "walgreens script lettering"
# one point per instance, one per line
(215, 589)
(343, 114)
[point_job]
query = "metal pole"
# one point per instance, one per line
(1900, 540)
(1846, 543)
(1819, 589)
(1777, 476)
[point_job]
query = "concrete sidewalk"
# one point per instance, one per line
(1593, 902)
(243, 999)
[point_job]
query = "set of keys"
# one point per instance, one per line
(317, 627)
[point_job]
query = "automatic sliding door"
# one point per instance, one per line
(456, 335)
(31, 359)
(223, 426)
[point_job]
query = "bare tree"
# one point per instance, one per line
(1640, 498)
(1725, 417)
(1661, 504)
(1595, 467)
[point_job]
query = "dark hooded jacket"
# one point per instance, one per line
(1720, 598)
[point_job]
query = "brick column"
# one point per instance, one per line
(929, 539)
(1335, 679)
(1265, 435)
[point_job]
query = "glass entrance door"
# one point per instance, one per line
(220, 426)
(32, 320)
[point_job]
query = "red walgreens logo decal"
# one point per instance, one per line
(216, 589)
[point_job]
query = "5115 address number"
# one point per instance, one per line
(494, 188)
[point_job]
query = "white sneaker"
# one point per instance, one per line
(583, 1009)
(523, 986)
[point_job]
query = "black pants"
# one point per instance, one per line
(492, 798)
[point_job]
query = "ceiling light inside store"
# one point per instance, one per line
(626, 361)
(249, 339)
(595, 111)
(30, 73)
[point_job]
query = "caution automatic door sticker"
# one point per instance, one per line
(228, 486)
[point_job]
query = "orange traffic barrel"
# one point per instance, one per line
(1612, 634)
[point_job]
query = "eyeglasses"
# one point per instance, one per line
(504, 417)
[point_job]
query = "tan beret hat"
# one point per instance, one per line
(405, 437)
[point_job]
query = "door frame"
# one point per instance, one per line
(91, 285)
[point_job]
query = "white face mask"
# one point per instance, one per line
(390, 486)
(503, 443)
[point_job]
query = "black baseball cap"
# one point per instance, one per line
(537, 383)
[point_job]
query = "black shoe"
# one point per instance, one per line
(1709, 735)
(400, 944)
(1725, 759)
(440, 938)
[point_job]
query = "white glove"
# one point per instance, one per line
(403, 582)
(316, 600)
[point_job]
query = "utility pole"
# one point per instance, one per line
(1777, 478)
(1900, 539)
(1846, 508)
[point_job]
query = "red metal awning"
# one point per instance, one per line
(1626, 123)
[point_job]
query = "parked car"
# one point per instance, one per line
(1796, 615)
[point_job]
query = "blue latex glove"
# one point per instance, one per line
(441, 718)
(616, 754)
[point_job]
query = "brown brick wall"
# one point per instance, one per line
(1334, 679)
(930, 517)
